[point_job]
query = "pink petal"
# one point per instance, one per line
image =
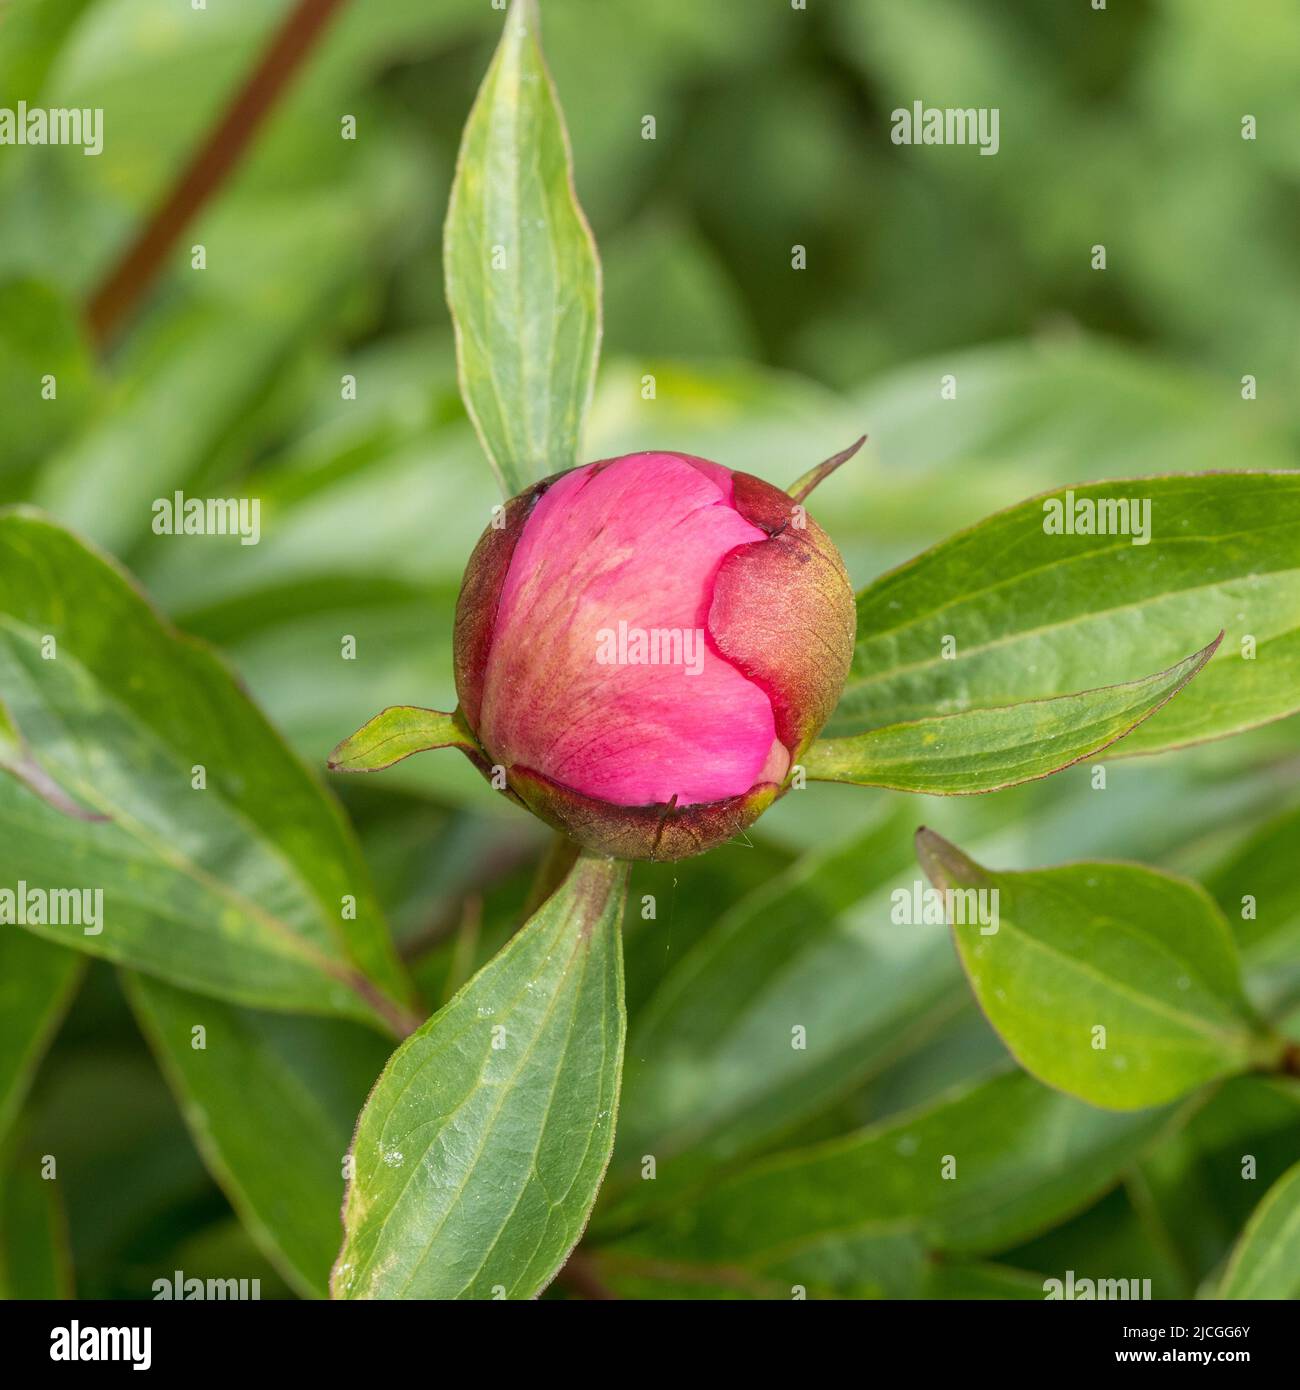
(637, 541)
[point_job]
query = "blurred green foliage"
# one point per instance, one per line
(323, 259)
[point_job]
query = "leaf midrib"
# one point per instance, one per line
(504, 1093)
(442, 1121)
(1152, 1004)
(1032, 749)
(180, 863)
(889, 673)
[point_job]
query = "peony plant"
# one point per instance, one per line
(650, 651)
(646, 650)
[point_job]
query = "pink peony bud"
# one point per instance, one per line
(647, 645)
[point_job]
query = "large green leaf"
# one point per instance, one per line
(16, 758)
(523, 279)
(1113, 982)
(271, 1102)
(1266, 1260)
(36, 982)
(983, 750)
(1035, 615)
(481, 1148)
(974, 1171)
(251, 887)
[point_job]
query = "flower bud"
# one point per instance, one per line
(646, 646)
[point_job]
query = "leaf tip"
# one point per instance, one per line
(942, 862)
(801, 489)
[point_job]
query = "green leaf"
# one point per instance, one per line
(36, 982)
(983, 750)
(1266, 1260)
(983, 1166)
(1113, 982)
(523, 278)
(481, 1148)
(249, 887)
(1036, 615)
(397, 733)
(17, 760)
(271, 1102)
(808, 482)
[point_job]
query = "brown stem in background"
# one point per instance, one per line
(129, 280)
(400, 1020)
